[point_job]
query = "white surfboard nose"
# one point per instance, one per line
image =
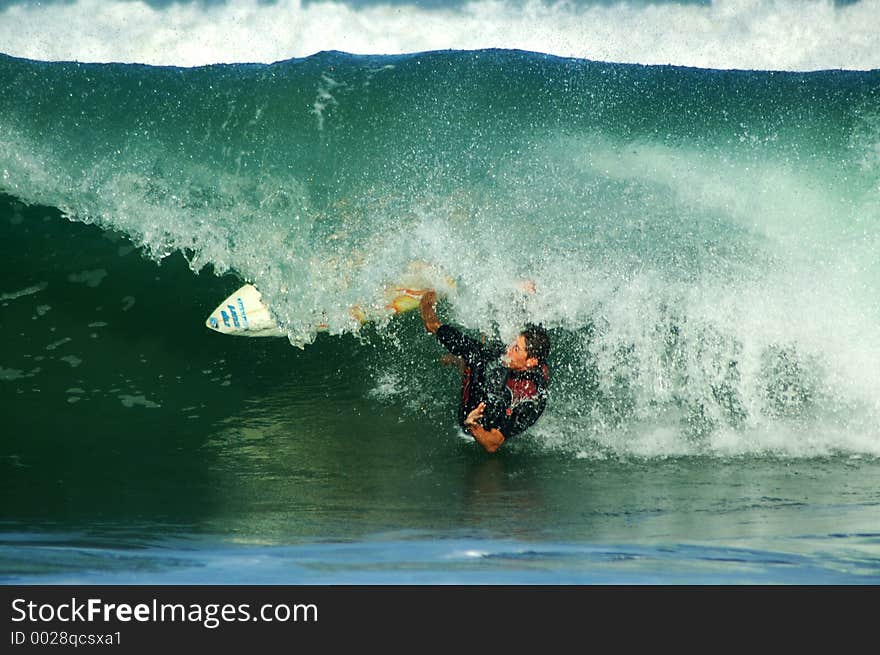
(244, 313)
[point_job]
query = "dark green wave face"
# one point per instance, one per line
(705, 243)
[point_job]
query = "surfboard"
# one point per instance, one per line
(245, 314)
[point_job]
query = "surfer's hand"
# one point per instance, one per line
(474, 417)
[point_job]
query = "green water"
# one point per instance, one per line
(705, 248)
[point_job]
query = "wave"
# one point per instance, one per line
(704, 243)
(793, 35)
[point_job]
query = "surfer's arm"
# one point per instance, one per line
(429, 315)
(451, 338)
(492, 439)
(458, 343)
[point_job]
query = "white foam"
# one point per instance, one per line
(780, 35)
(89, 278)
(57, 344)
(388, 386)
(11, 374)
(139, 400)
(21, 293)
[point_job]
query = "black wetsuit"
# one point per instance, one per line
(514, 399)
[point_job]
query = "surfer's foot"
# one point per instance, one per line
(453, 360)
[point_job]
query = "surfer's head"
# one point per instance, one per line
(530, 349)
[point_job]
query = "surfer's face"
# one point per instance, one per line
(517, 357)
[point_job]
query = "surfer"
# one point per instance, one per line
(504, 388)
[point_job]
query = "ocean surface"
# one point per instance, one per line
(700, 216)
